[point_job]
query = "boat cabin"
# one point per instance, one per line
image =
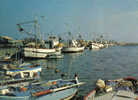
(25, 73)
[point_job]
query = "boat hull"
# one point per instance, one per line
(34, 55)
(66, 94)
(60, 95)
(42, 50)
(72, 49)
(14, 98)
(37, 53)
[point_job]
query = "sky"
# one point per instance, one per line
(114, 19)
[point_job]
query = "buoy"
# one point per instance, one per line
(54, 82)
(23, 89)
(57, 71)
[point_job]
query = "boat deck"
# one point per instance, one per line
(120, 95)
(107, 96)
(119, 89)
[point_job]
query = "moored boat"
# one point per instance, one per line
(73, 47)
(37, 48)
(119, 89)
(37, 52)
(23, 74)
(25, 71)
(51, 90)
(96, 46)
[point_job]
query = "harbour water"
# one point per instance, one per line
(108, 63)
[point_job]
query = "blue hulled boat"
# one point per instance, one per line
(25, 71)
(51, 90)
(22, 74)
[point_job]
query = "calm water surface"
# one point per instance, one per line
(108, 63)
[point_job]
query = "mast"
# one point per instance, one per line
(36, 27)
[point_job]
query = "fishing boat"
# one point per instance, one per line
(25, 71)
(93, 46)
(22, 75)
(119, 89)
(96, 46)
(72, 47)
(38, 49)
(37, 52)
(52, 90)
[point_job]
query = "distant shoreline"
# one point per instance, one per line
(127, 44)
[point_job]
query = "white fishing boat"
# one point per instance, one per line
(119, 89)
(73, 47)
(39, 50)
(93, 46)
(51, 90)
(96, 46)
